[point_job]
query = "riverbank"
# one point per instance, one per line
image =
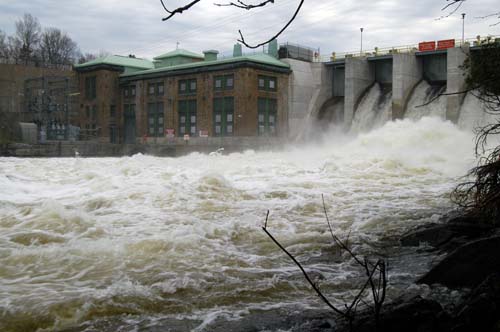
(176, 148)
(469, 265)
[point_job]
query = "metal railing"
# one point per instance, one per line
(404, 49)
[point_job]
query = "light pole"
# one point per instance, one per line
(463, 28)
(361, 52)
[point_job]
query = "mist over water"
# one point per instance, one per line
(115, 243)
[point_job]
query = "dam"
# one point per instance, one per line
(361, 91)
(156, 244)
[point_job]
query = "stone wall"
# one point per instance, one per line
(177, 147)
(245, 93)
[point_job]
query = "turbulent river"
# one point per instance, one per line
(141, 242)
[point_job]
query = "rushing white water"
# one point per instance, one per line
(425, 94)
(374, 109)
(112, 243)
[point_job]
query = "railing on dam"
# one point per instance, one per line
(401, 49)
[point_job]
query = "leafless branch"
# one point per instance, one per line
(313, 285)
(443, 94)
(336, 239)
(242, 5)
(242, 39)
(378, 290)
(451, 3)
(487, 16)
(373, 271)
(178, 10)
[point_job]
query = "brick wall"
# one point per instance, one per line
(245, 93)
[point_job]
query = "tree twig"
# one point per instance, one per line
(242, 39)
(242, 5)
(453, 2)
(313, 285)
(444, 94)
(178, 10)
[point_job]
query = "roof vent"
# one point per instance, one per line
(210, 55)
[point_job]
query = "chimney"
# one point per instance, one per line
(237, 50)
(273, 48)
(210, 55)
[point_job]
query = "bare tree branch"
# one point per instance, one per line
(313, 285)
(487, 16)
(178, 10)
(243, 5)
(378, 288)
(242, 39)
(444, 94)
(452, 3)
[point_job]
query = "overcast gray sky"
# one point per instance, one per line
(135, 26)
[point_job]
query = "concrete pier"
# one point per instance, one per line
(455, 81)
(406, 74)
(359, 76)
(309, 88)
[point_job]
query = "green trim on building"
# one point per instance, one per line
(117, 60)
(179, 52)
(260, 59)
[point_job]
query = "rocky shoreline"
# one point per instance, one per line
(471, 266)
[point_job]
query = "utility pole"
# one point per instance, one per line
(361, 51)
(463, 28)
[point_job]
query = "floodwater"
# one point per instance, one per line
(135, 243)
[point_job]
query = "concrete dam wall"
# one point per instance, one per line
(391, 85)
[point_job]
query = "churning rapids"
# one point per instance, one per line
(126, 244)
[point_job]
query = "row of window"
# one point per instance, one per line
(189, 86)
(223, 117)
(129, 91)
(221, 83)
(155, 89)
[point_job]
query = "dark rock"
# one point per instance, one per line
(446, 236)
(481, 310)
(278, 319)
(410, 315)
(467, 266)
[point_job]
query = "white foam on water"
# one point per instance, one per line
(88, 238)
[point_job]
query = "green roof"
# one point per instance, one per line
(260, 58)
(118, 60)
(179, 52)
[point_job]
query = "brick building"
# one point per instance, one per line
(129, 100)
